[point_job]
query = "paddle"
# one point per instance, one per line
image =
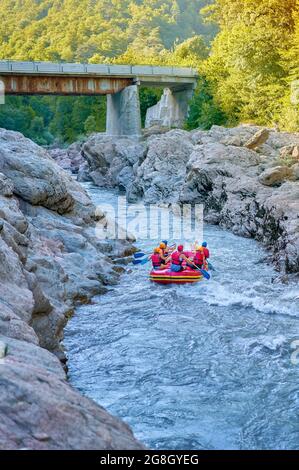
(205, 274)
(140, 261)
(211, 267)
(140, 255)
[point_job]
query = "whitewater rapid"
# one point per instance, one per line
(204, 366)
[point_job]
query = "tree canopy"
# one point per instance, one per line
(246, 52)
(254, 60)
(88, 30)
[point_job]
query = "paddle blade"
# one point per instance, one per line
(140, 261)
(205, 274)
(139, 255)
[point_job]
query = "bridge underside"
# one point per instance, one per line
(63, 85)
(119, 82)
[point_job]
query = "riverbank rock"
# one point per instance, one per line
(238, 175)
(259, 138)
(50, 259)
(40, 411)
(160, 175)
(111, 162)
(33, 173)
(70, 158)
(276, 176)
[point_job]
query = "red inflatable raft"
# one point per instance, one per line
(166, 276)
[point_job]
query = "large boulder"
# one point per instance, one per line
(36, 177)
(259, 138)
(161, 174)
(69, 158)
(276, 176)
(111, 161)
(290, 154)
(40, 411)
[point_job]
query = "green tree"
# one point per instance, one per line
(246, 67)
(204, 112)
(90, 125)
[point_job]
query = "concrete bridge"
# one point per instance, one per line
(119, 82)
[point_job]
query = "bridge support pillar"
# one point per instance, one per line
(123, 113)
(171, 110)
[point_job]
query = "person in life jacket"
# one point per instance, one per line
(199, 258)
(177, 258)
(168, 250)
(163, 252)
(156, 259)
(206, 250)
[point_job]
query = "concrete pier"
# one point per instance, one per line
(123, 113)
(171, 110)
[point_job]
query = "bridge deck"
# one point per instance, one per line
(88, 79)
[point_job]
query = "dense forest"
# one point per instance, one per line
(246, 52)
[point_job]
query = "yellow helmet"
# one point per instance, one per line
(162, 246)
(198, 248)
(156, 250)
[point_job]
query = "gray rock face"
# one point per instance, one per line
(36, 180)
(161, 174)
(276, 176)
(50, 258)
(40, 411)
(69, 159)
(238, 174)
(111, 161)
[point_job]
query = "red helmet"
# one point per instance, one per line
(180, 248)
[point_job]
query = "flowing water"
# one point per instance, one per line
(203, 366)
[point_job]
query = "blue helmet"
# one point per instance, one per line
(204, 244)
(165, 242)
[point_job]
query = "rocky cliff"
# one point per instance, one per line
(50, 259)
(247, 178)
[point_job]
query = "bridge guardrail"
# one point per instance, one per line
(101, 69)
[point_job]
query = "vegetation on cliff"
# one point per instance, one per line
(246, 53)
